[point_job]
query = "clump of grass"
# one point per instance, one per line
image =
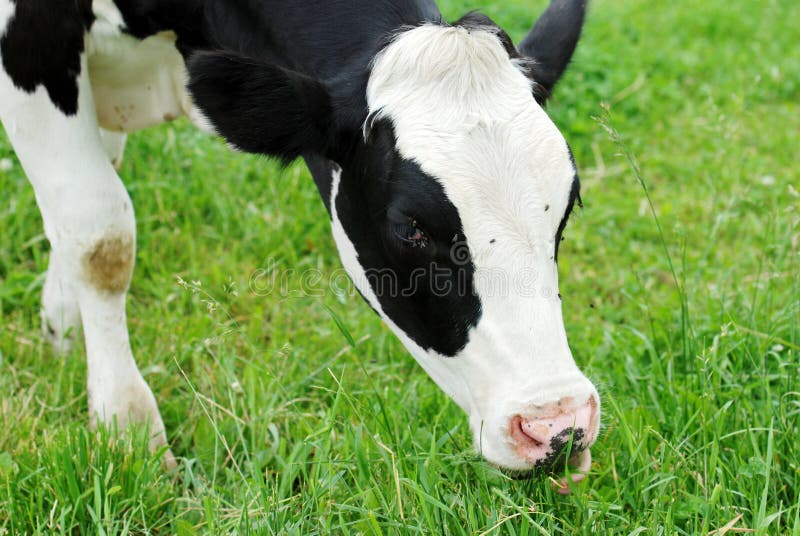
(78, 481)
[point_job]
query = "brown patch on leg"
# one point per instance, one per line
(108, 265)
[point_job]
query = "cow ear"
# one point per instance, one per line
(261, 108)
(552, 41)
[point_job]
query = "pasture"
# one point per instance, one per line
(295, 411)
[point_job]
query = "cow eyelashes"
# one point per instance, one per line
(410, 234)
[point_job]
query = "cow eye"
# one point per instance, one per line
(410, 234)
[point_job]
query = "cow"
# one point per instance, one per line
(427, 140)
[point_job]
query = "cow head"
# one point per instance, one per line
(447, 205)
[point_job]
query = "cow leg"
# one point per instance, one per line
(89, 221)
(60, 315)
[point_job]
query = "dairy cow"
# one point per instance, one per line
(427, 141)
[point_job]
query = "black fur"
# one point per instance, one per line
(475, 20)
(552, 41)
(262, 108)
(321, 171)
(574, 196)
(42, 46)
(184, 17)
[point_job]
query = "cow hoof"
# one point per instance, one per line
(60, 316)
(168, 459)
(58, 332)
(158, 440)
(131, 405)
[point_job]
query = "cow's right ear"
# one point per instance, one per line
(261, 108)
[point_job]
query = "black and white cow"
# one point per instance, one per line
(427, 141)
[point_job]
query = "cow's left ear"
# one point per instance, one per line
(261, 108)
(552, 41)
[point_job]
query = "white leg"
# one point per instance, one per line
(89, 221)
(61, 317)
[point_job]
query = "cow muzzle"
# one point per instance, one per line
(555, 434)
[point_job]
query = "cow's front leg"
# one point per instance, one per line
(116, 389)
(89, 221)
(61, 317)
(102, 255)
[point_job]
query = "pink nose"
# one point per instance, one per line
(548, 433)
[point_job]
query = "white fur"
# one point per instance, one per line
(465, 113)
(108, 19)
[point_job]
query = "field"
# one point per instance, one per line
(295, 411)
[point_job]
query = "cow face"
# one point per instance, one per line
(447, 211)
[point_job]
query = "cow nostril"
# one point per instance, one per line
(524, 437)
(536, 431)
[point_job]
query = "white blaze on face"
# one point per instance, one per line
(464, 111)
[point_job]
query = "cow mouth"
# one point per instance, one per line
(577, 467)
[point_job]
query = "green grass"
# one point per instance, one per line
(302, 414)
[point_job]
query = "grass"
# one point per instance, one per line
(299, 413)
